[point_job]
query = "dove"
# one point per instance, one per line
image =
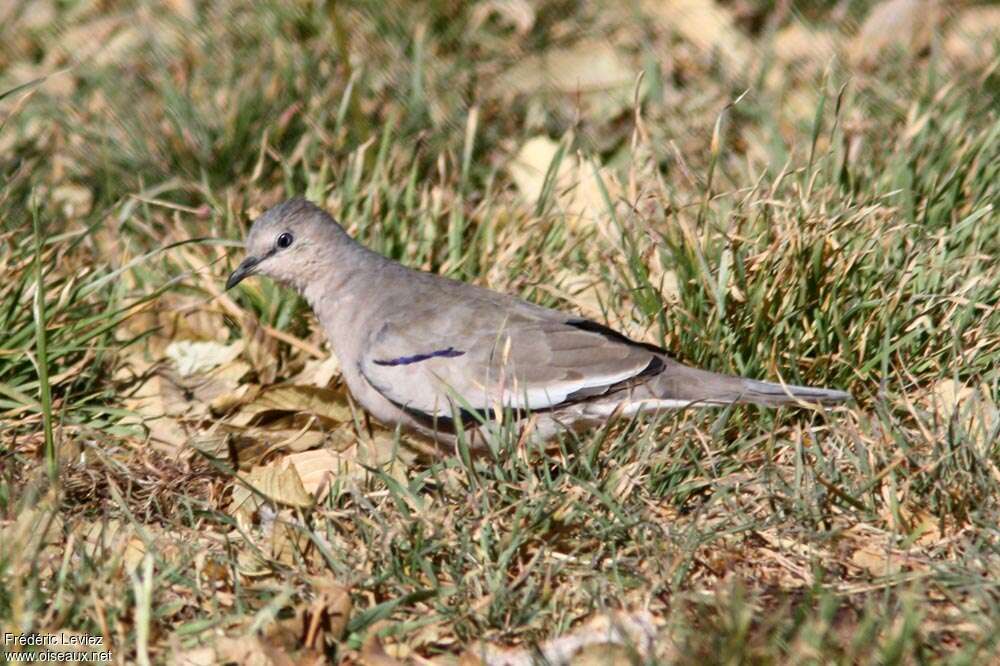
(448, 359)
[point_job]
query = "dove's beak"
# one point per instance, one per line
(244, 270)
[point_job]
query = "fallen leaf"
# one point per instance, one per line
(200, 656)
(261, 349)
(317, 469)
(517, 13)
(328, 613)
(374, 654)
(37, 15)
(948, 395)
(155, 411)
(577, 191)
(707, 26)
(530, 167)
(326, 404)
(634, 631)
(279, 484)
(606, 654)
(801, 43)
(973, 36)
(972, 408)
(165, 400)
(928, 526)
(664, 280)
(73, 200)
(876, 561)
(318, 372)
(193, 357)
(587, 293)
(907, 24)
(286, 543)
(584, 67)
(244, 650)
(239, 395)
(468, 658)
(135, 551)
(183, 8)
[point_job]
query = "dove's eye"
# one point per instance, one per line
(284, 240)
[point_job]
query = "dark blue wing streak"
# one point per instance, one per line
(450, 352)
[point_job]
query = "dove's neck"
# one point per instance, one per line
(345, 294)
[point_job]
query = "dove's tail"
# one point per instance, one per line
(678, 386)
(681, 383)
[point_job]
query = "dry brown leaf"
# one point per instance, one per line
(280, 483)
(606, 654)
(276, 535)
(328, 613)
(277, 482)
(73, 200)
(517, 13)
(902, 23)
(577, 192)
(194, 357)
(261, 349)
(588, 294)
(183, 8)
(635, 631)
(435, 636)
(289, 433)
(318, 372)
(317, 469)
(374, 654)
(252, 445)
(947, 396)
(101, 538)
(135, 551)
(800, 43)
(212, 574)
(240, 395)
(590, 77)
(166, 399)
(286, 543)
(928, 526)
(585, 67)
(250, 563)
(203, 375)
(291, 441)
(244, 650)
(467, 658)
(187, 319)
(172, 318)
(972, 407)
(200, 656)
(876, 561)
(529, 168)
(326, 404)
(26, 533)
(706, 25)
(973, 35)
(663, 279)
(36, 15)
(155, 411)
(379, 451)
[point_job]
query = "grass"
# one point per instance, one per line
(813, 219)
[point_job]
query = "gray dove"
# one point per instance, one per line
(440, 357)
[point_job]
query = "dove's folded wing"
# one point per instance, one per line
(523, 364)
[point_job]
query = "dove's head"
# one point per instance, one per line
(290, 243)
